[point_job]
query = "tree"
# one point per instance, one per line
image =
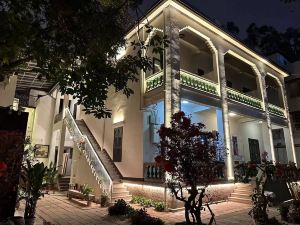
(267, 40)
(232, 28)
(268, 171)
(74, 43)
(187, 153)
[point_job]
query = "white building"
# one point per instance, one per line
(204, 72)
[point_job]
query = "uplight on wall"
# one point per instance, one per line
(232, 114)
(118, 118)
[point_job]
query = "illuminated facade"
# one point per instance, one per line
(204, 72)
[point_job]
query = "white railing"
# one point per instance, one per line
(154, 81)
(84, 145)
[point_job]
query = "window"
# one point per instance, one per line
(296, 119)
(229, 83)
(294, 89)
(117, 145)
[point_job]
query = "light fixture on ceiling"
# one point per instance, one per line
(185, 102)
(232, 114)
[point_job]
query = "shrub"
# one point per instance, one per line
(141, 217)
(104, 200)
(159, 206)
(284, 210)
(120, 208)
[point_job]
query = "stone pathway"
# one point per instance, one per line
(59, 210)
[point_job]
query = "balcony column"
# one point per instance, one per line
(223, 91)
(62, 136)
(268, 117)
(171, 65)
(287, 114)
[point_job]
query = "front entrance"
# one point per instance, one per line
(254, 150)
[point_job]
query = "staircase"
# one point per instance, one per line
(102, 166)
(63, 183)
(242, 193)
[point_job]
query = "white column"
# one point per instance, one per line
(171, 65)
(62, 135)
(227, 138)
(268, 118)
(286, 107)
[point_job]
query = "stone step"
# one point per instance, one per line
(240, 200)
(243, 191)
(239, 195)
(121, 195)
(127, 198)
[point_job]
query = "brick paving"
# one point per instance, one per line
(59, 210)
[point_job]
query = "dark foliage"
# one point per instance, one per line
(141, 217)
(120, 208)
(74, 43)
(187, 152)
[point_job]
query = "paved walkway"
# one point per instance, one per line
(57, 209)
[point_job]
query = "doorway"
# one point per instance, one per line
(254, 150)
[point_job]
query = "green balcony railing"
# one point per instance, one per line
(276, 110)
(244, 99)
(154, 81)
(199, 83)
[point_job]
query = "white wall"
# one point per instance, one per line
(128, 111)
(43, 122)
(7, 91)
(82, 174)
(252, 129)
(156, 114)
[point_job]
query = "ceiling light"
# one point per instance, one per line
(185, 102)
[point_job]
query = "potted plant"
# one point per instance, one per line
(104, 200)
(51, 177)
(32, 177)
(86, 191)
(284, 211)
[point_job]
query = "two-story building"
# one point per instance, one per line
(204, 72)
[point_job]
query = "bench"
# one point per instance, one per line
(77, 194)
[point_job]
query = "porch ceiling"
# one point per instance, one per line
(27, 79)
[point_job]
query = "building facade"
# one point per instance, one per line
(204, 72)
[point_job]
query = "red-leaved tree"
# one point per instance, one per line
(187, 153)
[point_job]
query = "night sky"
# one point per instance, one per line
(244, 12)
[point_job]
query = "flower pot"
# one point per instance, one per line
(29, 221)
(17, 220)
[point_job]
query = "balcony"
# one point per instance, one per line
(154, 81)
(242, 98)
(199, 83)
(153, 172)
(276, 110)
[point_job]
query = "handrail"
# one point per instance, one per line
(200, 83)
(84, 145)
(237, 96)
(154, 81)
(276, 110)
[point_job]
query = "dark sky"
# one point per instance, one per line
(243, 12)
